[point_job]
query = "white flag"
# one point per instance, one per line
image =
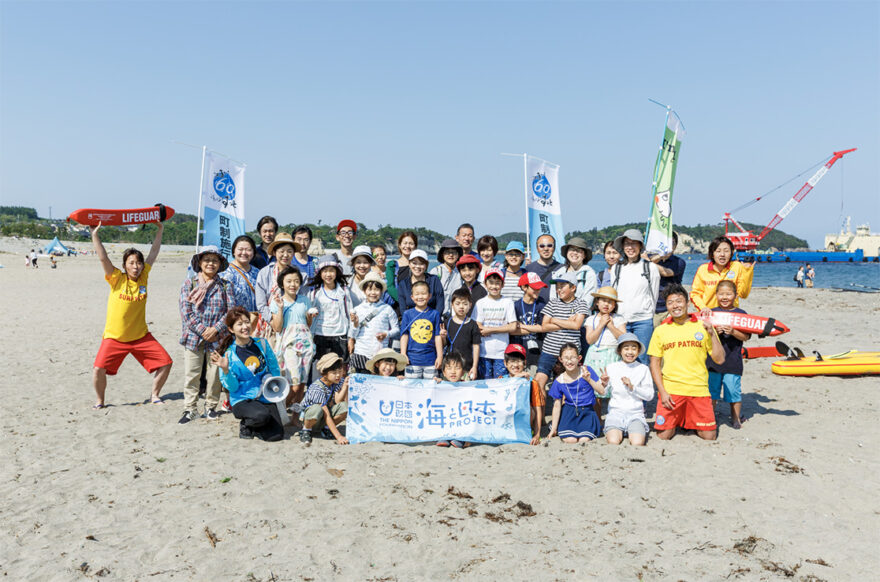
(223, 200)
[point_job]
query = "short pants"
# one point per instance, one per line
(316, 412)
(732, 384)
(146, 350)
(627, 423)
(419, 372)
(691, 412)
(546, 363)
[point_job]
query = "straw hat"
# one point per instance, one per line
(387, 354)
(327, 361)
(282, 238)
(607, 293)
(373, 277)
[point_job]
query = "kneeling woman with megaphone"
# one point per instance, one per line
(246, 364)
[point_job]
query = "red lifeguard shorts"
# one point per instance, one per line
(146, 350)
(691, 412)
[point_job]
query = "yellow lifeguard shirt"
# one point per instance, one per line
(684, 349)
(127, 306)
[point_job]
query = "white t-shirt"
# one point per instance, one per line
(606, 338)
(625, 400)
(490, 312)
(334, 308)
(638, 294)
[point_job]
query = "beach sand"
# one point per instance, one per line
(125, 493)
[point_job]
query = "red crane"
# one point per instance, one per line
(746, 240)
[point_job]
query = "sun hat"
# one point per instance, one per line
(449, 243)
(532, 280)
(515, 349)
(327, 361)
(569, 278)
(607, 293)
(630, 337)
(578, 243)
(373, 277)
(282, 238)
(418, 254)
(632, 234)
(347, 222)
(515, 245)
(467, 260)
(387, 354)
(362, 251)
(208, 250)
(328, 261)
(494, 271)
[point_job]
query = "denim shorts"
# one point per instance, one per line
(546, 362)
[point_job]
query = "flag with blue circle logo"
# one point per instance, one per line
(542, 200)
(222, 201)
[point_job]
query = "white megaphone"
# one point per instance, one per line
(275, 389)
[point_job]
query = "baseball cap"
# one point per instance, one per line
(418, 254)
(515, 349)
(496, 272)
(532, 280)
(349, 223)
(515, 245)
(569, 278)
(465, 260)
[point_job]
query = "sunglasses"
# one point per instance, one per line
(550, 246)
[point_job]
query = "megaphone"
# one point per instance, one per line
(275, 389)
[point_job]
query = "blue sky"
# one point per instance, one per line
(397, 112)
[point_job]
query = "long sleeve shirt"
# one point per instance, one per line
(211, 313)
(623, 399)
(373, 318)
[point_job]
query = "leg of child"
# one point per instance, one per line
(535, 420)
(570, 440)
(613, 436)
(583, 440)
(736, 414)
(636, 432)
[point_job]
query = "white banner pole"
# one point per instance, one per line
(526, 201)
(199, 208)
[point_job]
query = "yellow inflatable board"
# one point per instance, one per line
(852, 363)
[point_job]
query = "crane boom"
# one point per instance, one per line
(800, 194)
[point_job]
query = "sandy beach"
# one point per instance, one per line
(125, 493)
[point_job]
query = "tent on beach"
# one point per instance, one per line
(55, 247)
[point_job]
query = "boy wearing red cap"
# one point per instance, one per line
(346, 231)
(528, 313)
(469, 268)
(496, 318)
(515, 362)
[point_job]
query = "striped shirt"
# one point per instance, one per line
(555, 339)
(320, 394)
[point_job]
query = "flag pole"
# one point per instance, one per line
(526, 199)
(199, 208)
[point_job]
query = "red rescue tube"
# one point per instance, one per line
(121, 217)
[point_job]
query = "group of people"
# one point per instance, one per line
(598, 343)
(805, 276)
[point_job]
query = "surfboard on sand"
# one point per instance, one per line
(122, 217)
(763, 326)
(849, 363)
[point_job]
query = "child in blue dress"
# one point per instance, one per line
(574, 419)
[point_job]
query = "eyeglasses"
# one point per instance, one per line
(546, 246)
(345, 233)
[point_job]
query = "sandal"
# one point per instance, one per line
(98, 406)
(157, 401)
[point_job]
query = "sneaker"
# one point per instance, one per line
(211, 414)
(305, 437)
(442, 443)
(187, 416)
(225, 407)
(327, 435)
(245, 433)
(457, 444)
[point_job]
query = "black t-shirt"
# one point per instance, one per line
(251, 357)
(677, 265)
(529, 314)
(545, 272)
(477, 292)
(462, 339)
(733, 359)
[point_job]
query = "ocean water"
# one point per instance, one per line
(828, 275)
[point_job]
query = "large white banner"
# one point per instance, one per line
(412, 411)
(542, 200)
(223, 202)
